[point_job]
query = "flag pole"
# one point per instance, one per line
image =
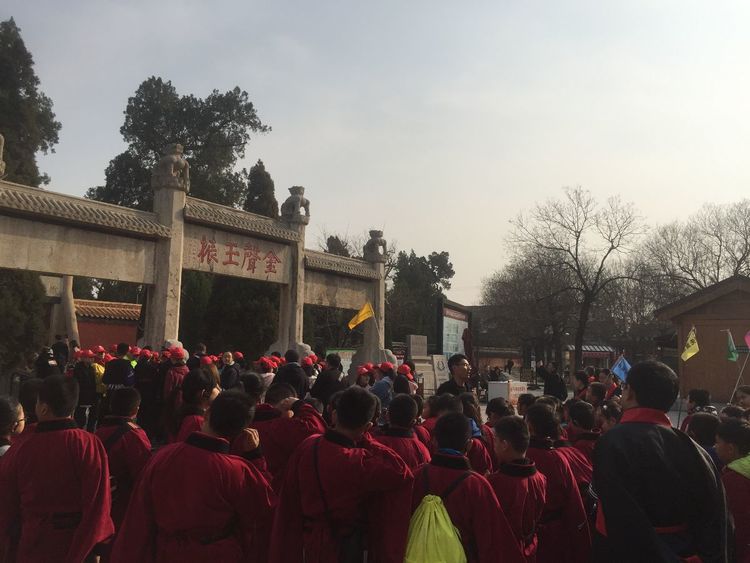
(381, 352)
(739, 378)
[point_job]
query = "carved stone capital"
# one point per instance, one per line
(291, 209)
(172, 171)
(375, 249)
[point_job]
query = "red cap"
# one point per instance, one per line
(78, 354)
(282, 361)
(362, 370)
(165, 353)
(206, 360)
(403, 369)
(238, 355)
(108, 358)
(145, 354)
(87, 354)
(370, 366)
(385, 366)
(177, 353)
(307, 362)
(113, 349)
(155, 355)
(135, 351)
(314, 358)
(266, 364)
(214, 359)
(99, 349)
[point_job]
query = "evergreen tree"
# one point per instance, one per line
(26, 118)
(22, 298)
(261, 197)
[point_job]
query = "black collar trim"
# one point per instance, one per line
(340, 439)
(208, 443)
(562, 444)
(518, 468)
(450, 461)
(541, 443)
(591, 436)
(399, 432)
(114, 421)
(54, 425)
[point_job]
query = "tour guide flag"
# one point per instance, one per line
(364, 313)
(732, 353)
(621, 368)
(691, 346)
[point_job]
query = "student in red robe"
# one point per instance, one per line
(660, 497)
(197, 391)
(520, 488)
(54, 484)
(471, 503)
(399, 434)
(128, 447)
(343, 493)
(195, 502)
(582, 421)
(283, 422)
(497, 408)
(733, 448)
(563, 529)
(420, 432)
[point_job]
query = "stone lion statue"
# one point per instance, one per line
(290, 209)
(375, 248)
(172, 170)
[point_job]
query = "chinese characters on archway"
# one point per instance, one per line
(246, 257)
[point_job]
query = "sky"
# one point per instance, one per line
(438, 122)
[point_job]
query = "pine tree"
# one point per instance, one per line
(261, 197)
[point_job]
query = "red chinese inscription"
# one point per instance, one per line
(251, 257)
(271, 260)
(207, 252)
(231, 252)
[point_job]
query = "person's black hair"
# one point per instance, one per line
(500, 407)
(420, 403)
(401, 384)
(8, 414)
(471, 407)
(333, 361)
(655, 385)
(456, 359)
(123, 348)
(402, 411)
(27, 396)
(553, 402)
(702, 427)
(277, 392)
(252, 384)
(604, 371)
(356, 407)
(291, 356)
(581, 414)
(542, 421)
(589, 370)
(195, 384)
(514, 430)
(744, 389)
(598, 391)
(200, 348)
(58, 337)
(582, 377)
(452, 431)
(317, 404)
(60, 394)
(125, 401)
(732, 411)
(412, 367)
(73, 344)
(612, 410)
(446, 403)
(701, 397)
(276, 354)
(526, 399)
(737, 433)
(230, 413)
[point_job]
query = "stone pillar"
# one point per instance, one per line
(292, 296)
(171, 183)
(69, 309)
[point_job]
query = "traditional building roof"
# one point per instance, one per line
(703, 296)
(109, 310)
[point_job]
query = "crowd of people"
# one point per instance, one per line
(137, 455)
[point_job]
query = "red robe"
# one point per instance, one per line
(579, 463)
(488, 437)
(191, 423)
(55, 483)
(737, 489)
(280, 435)
(585, 441)
(479, 457)
(563, 529)
(127, 456)
(422, 434)
(195, 503)
(364, 484)
(173, 378)
(522, 492)
(403, 442)
(429, 425)
(473, 507)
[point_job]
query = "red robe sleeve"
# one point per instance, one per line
(479, 457)
(96, 501)
(287, 531)
(10, 502)
(494, 536)
(137, 453)
(254, 504)
(574, 516)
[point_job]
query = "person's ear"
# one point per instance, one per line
(368, 426)
(413, 421)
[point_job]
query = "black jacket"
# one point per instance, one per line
(326, 385)
(230, 376)
(293, 375)
(86, 377)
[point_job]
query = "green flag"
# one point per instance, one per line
(732, 354)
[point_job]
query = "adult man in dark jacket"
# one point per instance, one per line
(293, 375)
(119, 372)
(329, 380)
(660, 498)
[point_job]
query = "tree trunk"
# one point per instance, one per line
(583, 319)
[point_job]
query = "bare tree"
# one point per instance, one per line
(585, 239)
(710, 246)
(351, 246)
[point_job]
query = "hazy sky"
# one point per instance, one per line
(436, 121)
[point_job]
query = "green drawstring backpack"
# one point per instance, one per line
(432, 536)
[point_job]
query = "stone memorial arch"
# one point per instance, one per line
(56, 234)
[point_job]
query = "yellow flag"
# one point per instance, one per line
(364, 313)
(691, 346)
